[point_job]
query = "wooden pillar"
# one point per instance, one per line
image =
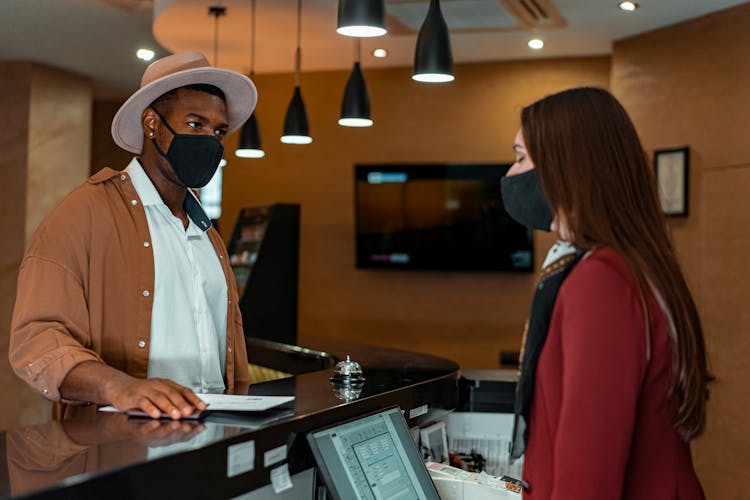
(45, 147)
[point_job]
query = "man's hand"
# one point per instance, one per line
(99, 383)
(154, 396)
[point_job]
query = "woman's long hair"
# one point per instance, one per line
(593, 171)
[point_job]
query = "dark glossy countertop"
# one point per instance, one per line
(109, 455)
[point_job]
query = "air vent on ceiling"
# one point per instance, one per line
(535, 13)
(406, 16)
(131, 5)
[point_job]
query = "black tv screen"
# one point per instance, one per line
(440, 217)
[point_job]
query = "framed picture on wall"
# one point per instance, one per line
(671, 167)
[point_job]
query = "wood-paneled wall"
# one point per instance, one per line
(687, 85)
(467, 317)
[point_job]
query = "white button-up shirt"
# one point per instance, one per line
(188, 319)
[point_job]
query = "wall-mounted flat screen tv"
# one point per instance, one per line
(437, 217)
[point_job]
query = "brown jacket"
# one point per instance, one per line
(84, 290)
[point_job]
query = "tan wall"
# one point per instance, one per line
(47, 122)
(468, 317)
(687, 85)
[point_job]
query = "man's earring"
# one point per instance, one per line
(150, 134)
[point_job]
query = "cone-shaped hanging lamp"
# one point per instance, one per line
(296, 127)
(249, 145)
(361, 18)
(433, 58)
(355, 108)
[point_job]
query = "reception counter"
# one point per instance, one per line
(225, 455)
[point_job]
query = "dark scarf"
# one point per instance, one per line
(545, 294)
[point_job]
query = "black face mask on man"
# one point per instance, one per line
(524, 201)
(193, 157)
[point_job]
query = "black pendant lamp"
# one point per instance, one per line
(217, 11)
(355, 108)
(361, 18)
(433, 59)
(249, 145)
(296, 127)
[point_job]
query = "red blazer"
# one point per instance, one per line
(600, 425)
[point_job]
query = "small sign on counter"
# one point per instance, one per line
(418, 411)
(280, 479)
(240, 458)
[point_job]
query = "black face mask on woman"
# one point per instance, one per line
(524, 201)
(193, 157)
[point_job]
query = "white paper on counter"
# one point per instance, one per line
(232, 402)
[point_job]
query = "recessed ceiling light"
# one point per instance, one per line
(222, 163)
(380, 53)
(629, 6)
(536, 44)
(145, 54)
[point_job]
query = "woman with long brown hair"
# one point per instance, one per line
(614, 376)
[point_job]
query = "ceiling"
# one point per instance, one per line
(98, 38)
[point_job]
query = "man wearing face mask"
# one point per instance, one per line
(125, 294)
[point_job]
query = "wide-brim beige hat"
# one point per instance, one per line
(179, 70)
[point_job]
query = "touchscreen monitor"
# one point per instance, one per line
(372, 457)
